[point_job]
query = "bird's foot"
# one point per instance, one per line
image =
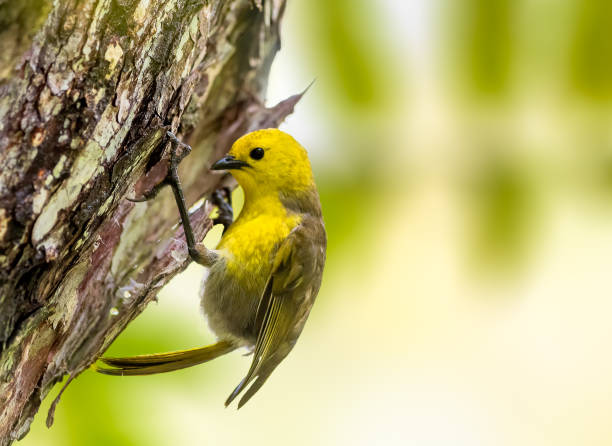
(222, 198)
(171, 177)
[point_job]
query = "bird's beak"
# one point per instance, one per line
(229, 162)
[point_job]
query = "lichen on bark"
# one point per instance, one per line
(87, 91)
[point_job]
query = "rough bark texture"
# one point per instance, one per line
(85, 88)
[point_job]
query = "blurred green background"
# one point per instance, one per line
(463, 151)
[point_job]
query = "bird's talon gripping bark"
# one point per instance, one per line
(172, 174)
(175, 159)
(222, 198)
(197, 252)
(150, 194)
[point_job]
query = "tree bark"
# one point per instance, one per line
(87, 91)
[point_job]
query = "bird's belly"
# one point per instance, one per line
(230, 295)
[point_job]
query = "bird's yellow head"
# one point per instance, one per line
(268, 161)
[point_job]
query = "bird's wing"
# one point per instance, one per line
(280, 308)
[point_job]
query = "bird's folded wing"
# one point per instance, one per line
(276, 313)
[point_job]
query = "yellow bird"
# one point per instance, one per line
(266, 271)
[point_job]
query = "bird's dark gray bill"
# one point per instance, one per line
(228, 163)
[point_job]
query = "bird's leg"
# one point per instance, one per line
(222, 198)
(198, 252)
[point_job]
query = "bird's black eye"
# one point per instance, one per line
(257, 153)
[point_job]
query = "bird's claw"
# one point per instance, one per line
(150, 194)
(222, 198)
(172, 174)
(175, 159)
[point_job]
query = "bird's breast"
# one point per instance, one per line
(248, 246)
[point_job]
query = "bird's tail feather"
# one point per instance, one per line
(163, 362)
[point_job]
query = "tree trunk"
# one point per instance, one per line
(87, 89)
